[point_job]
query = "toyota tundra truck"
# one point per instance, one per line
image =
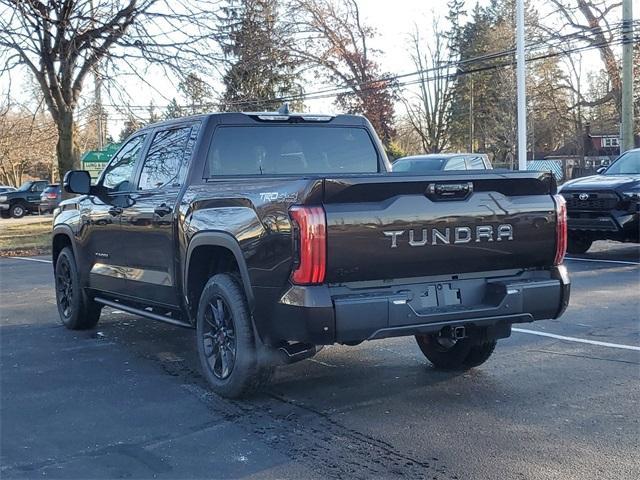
(274, 234)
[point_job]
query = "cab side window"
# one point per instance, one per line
(163, 163)
(456, 163)
(117, 175)
(475, 163)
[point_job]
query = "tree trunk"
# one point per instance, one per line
(67, 148)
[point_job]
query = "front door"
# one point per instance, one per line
(100, 232)
(148, 224)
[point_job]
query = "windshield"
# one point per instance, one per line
(627, 164)
(418, 165)
(24, 187)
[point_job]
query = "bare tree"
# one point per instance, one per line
(589, 21)
(27, 144)
(333, 38)
(60, 43)
(429, 110)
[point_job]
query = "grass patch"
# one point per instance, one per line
(25, 239)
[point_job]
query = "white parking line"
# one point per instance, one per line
(622, 262)
(40, 260)
(578, 340)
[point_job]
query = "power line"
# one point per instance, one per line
(348, 89)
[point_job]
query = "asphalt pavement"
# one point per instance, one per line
(127, 400)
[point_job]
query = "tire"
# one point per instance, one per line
(76, 310)
(447, 354)
(17, 210)
(226, 344)
(480, 353)
(578, 244)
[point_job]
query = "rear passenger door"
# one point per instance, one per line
(148, 224)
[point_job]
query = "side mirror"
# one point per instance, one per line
(77, 181)
(600, 170)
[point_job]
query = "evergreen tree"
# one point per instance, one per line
(173, 110)
(197, 93)
(261, 70)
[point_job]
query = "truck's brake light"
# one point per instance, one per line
(561, 229)
(311, 228)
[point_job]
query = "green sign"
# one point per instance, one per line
(95, 160)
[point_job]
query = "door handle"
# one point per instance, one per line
(162, 210)
(114, 211)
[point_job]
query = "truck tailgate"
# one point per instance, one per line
(411, 226)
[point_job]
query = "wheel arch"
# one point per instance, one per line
(220, 249)
(62, 237)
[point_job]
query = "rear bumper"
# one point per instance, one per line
(323, 315)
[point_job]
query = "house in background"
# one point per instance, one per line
(600, 149)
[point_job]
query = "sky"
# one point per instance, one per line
(393, 20)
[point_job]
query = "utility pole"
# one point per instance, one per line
(97, 91)
(522, 93)
(626, 142)
(471, 123)
(99, 115)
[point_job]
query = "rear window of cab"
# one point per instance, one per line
(294, 150)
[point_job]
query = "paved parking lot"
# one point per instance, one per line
(126, 400)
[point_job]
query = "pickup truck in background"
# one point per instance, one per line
(273, 234)
(24, 200)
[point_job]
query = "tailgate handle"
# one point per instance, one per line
(449, 191)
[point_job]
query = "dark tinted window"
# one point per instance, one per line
(627, 164)
(418, 165)
(291, 150)
(455, 163)
(117, 175)
(475, 163)
(164, 159)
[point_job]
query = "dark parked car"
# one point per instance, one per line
(23, 200)
(7, 188)
(275, 234)
(50, 198)
(605, 206)
(442, 161)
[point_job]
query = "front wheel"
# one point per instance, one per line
(76, 310)
(17, 210)
(448, 354)
(578, 244)
(226, 344)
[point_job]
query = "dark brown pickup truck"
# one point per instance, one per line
(273, 234)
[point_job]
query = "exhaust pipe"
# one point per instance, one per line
(295, 352)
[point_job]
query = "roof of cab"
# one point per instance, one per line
(263, 117)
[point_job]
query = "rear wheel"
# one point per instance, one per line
(76, 310)
(449, 354)
(578, 243)
(17, 210)
(226, 344)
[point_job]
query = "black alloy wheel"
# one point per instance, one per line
(77, 311)
(227, 347)
(219, 338)
(64, 287)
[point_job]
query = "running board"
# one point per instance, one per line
(142, 313)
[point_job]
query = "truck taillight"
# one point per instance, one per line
(561, 229)
(311, 243)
